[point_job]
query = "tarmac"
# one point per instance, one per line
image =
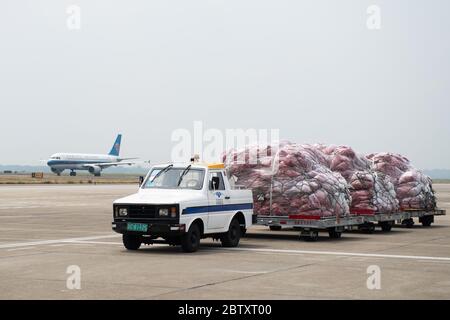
(56, 242)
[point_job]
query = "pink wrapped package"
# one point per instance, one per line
(414, 189)
(373, 192)
(392, 165)
(345, 160)
(299, 182)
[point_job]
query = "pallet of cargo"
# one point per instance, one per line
(310, 226)
(387, 220)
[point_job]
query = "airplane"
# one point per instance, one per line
(94, 163)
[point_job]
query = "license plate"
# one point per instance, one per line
(141, 227)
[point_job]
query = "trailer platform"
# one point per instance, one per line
(387, 220)
(310, 226)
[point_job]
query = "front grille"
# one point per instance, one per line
(145, 212)
(142, 211)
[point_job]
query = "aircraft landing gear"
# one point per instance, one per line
(73, 173)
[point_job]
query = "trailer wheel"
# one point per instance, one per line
(191, 239)
(311, 236)
(408, 223)
(131, 241)
(334, 234)
(426, 221)
(368, 228)
(275, 228)
(386, 226)
(232, 237)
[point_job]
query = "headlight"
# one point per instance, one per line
(123, 212)
(163, 212)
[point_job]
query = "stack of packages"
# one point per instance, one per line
(344, 160)
(294, 180)
(414, 189)
(323, 180)
(370, 191)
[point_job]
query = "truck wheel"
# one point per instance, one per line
(191, 239)
(131, 241)
(275, 228)
(232, 237)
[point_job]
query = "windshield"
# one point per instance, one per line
(171, 178)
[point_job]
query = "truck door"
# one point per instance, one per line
(218, 199)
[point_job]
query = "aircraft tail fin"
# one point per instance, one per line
(115, 150)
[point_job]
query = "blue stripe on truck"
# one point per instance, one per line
(217, 208)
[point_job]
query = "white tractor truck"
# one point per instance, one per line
(179, 204)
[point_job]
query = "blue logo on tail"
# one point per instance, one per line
(116, 147)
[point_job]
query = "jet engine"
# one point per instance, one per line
(95, 170)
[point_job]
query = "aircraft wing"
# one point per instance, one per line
(109, 164)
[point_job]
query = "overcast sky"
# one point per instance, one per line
(311, 69)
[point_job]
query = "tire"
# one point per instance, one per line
(367, 228)
(386, 226)
(427, 221)
(232, 237)
(311, 237)
(334, 234)
(191, 239)
(408, 223)
(275, 228)
(131, 241)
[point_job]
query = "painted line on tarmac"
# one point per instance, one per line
(46, 242)
(92, 242)
(12, 217)
(17, 249)
(296, 252)
(337, 253)
(89, 240)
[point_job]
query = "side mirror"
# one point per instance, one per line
(141, 180)
(215, 181)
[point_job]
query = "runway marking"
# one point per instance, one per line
(16, 249)
(337, 253)
(93, 242)
(242, 271)
(90, 240)
(9, 217)
(46, 242)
